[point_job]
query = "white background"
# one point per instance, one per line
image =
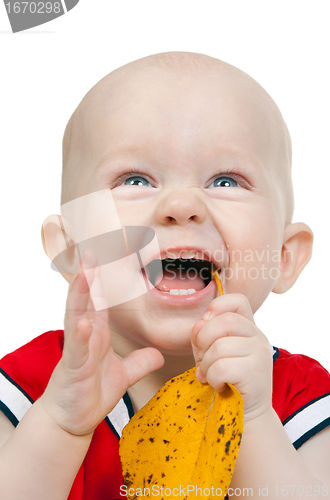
(46, 71)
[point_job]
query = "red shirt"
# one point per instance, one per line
(301, 398)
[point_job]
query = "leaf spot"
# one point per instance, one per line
(221, 429)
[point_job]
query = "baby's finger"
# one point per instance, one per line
(141, 362)
(232, 302)
(225, 347)
(78, 300)
(226, 325)
(77, 345)
(226, 371)
(98, 295)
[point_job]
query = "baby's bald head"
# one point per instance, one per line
(195, 75)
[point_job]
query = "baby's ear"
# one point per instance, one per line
(55, 241)
(296, 252)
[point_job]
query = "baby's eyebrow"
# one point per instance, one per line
(231, 159)
(123, 152)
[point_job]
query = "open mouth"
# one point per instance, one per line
(180, 276)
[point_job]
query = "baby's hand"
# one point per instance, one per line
(89, 380)
(229, 348)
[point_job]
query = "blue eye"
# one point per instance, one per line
(135, 181)
(225, 181)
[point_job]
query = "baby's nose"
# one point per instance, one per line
(181, 206)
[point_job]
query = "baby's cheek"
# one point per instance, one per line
(253, 270)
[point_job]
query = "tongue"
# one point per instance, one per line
(172, 280)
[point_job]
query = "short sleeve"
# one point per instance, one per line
(301, 395)
(24, 373)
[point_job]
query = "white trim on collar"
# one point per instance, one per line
(119, 416)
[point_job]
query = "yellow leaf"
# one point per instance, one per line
(187, 435)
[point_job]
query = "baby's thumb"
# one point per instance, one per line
(141, 362)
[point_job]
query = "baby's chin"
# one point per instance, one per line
(170, 335)
(172, 345)
(169, 342)
(144, 323)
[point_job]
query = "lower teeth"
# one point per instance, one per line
(176, 291)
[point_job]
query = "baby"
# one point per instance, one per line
(197, 151)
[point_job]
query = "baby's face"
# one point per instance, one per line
(193, 158)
